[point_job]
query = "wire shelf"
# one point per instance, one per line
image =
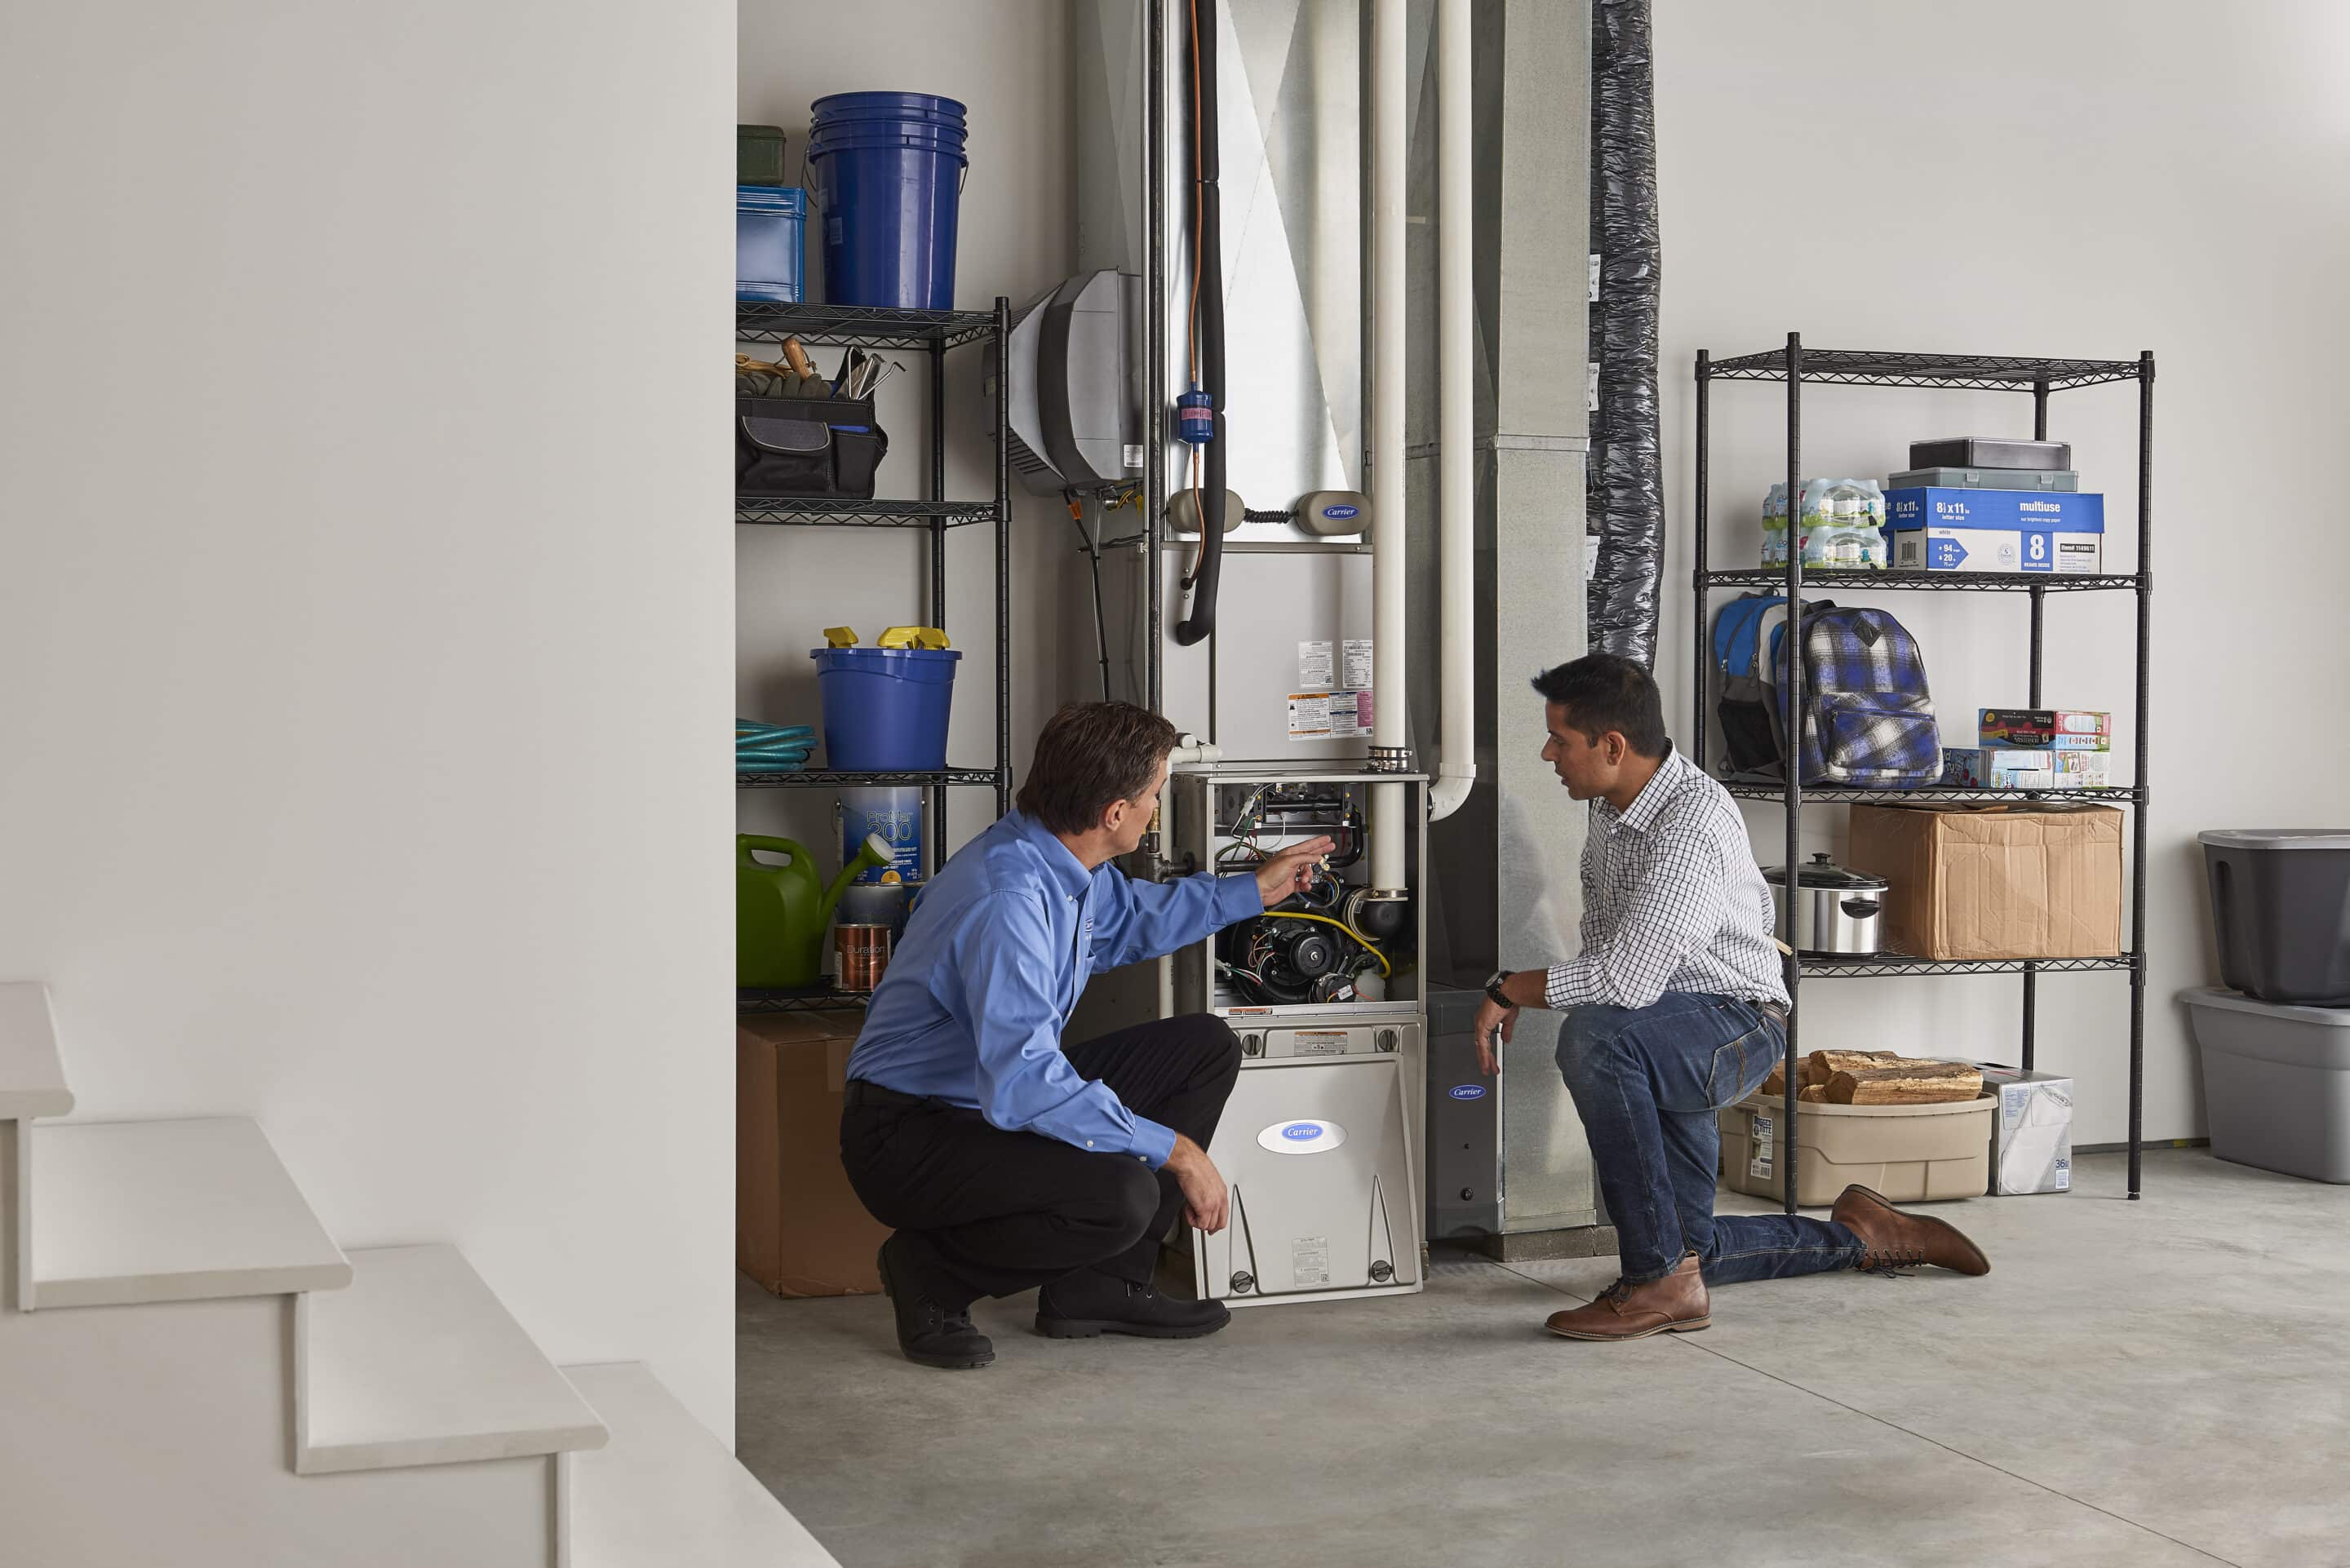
(834, 778)
(1929, 582)
(818, 999)
(795, 512)
(1771, 789)
(1980, 372)
(1881, 964)
(864, 326)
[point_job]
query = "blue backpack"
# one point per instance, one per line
(1869, 715)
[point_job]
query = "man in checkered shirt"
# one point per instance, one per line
(1675, 1009)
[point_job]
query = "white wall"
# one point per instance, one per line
(363, 446)
(1007, 64)
(2163, 176)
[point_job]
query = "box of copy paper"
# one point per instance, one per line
(1996, 531)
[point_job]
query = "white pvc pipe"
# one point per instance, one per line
(1390, 724)
(1456, 473)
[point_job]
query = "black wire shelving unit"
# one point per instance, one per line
(1795, 367)
(932, 332)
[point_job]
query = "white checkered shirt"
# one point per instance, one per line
(1672, 900)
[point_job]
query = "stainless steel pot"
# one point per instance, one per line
(1839, 912)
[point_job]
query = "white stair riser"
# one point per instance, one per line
(162, 1433)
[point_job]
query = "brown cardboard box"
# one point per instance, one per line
(799, 1230)
(1995, 882)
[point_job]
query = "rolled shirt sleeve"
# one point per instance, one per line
(1002, 989)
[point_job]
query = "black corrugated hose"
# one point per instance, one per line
(1625, 483)
(1208, 256)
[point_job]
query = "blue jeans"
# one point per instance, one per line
(1648, 1082)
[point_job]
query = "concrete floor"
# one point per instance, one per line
(2152, 1384)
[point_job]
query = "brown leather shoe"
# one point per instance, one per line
(1894, 1238)
(1674, 1305)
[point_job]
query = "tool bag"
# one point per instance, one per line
(1869, 715)
(806, 448)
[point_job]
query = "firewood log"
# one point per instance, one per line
(1822, 1066)
(1910, 1083)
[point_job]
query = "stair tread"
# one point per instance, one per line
(419, 1363)
(666, 1491)
(170, 1211)
(32, 1075)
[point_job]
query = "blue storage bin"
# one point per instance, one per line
(769, 224)
(885, 709)
(888, 168)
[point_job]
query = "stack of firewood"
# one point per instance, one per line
(1878, 1078)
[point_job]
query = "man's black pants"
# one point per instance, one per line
(1008, 1212)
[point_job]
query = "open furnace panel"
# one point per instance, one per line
(1333, 949)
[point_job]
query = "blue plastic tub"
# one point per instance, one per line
(885, 709)
(888, 168)
(769, 225)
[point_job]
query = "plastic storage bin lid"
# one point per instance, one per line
(789, 201)
(2278, 838)
(2236, 1002)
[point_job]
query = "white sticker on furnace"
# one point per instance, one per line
(1359, 662)
(1319, 1042)
(1309, 1260)
(1316, 669)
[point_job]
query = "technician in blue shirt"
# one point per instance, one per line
(1003, 1162)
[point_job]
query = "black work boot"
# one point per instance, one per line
(928, 1331)
(1090, 1303)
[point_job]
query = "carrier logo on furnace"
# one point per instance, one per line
(1301, 1136)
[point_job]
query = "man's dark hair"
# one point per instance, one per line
(1604, 691)
(1090, 756)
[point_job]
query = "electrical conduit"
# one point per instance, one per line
(1456, 473)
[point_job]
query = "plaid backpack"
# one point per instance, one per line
(1868, 718)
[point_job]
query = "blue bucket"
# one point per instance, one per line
(885, 709)
(888, 169)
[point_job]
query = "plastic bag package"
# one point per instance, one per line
(1841, 522)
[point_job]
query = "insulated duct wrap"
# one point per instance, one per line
(1625, 481)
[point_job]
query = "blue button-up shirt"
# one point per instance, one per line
(998, 947)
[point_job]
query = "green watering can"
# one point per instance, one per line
(782, 912)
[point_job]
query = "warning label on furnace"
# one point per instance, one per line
(1316, 670)
(1329, 715)
(1309, 1260)
(1359, 662)
(1319, 1042)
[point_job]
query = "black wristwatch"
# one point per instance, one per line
(1493, 988)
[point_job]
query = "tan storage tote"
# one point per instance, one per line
(1911, 1154)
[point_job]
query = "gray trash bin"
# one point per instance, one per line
(2276, 1082)
(2281, 908)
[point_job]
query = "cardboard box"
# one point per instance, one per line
(799, 1230)
(1987, 767)
(1979, 882)
(1996, 531)
(2051, 728)
(2031, 1133)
